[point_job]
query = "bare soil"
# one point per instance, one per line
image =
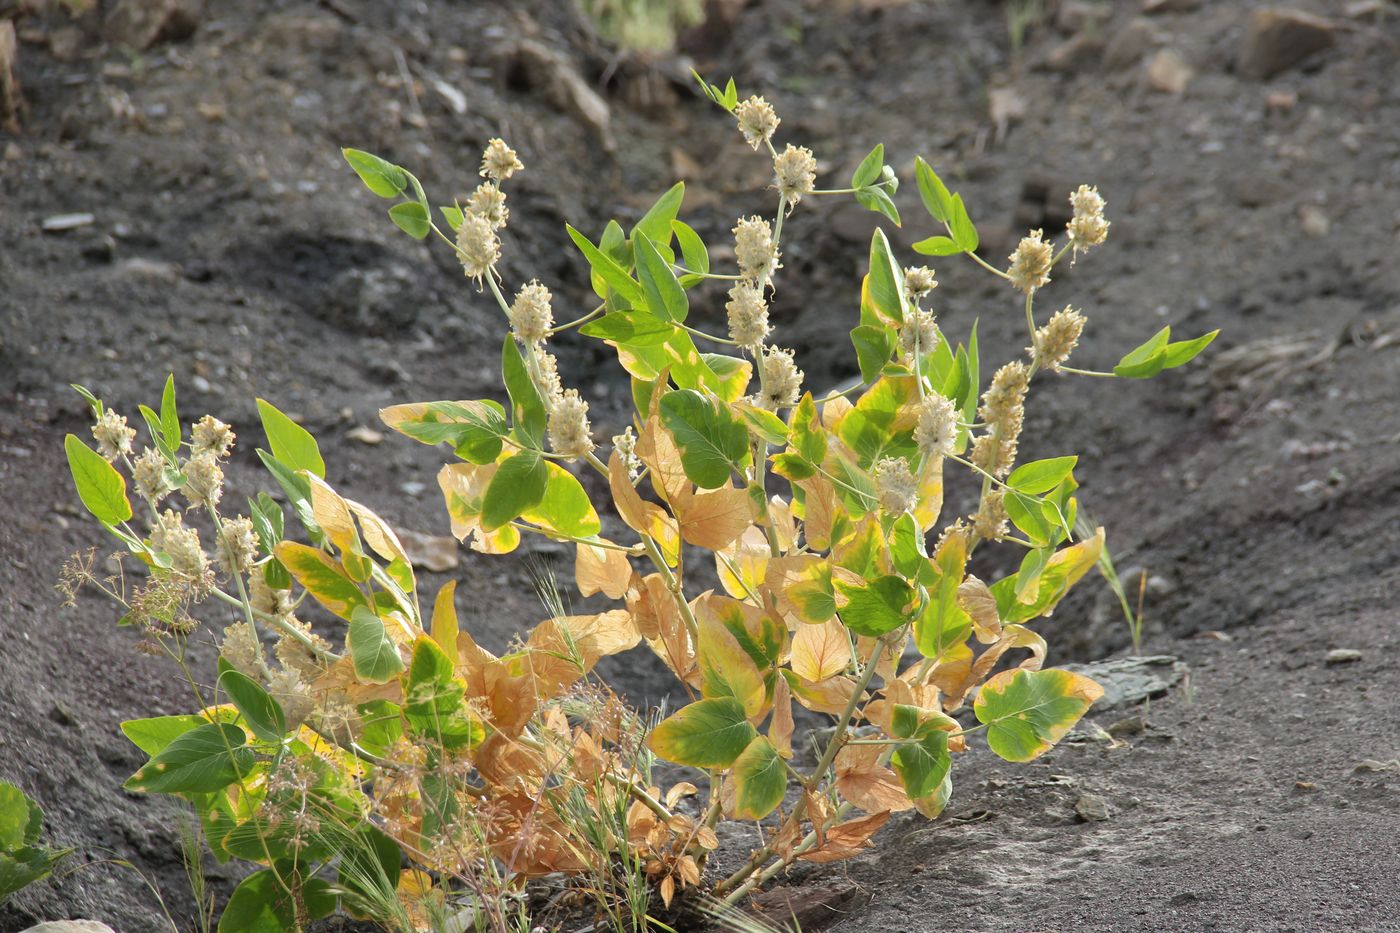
(1259, 489)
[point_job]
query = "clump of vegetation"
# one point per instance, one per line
(23, 860)
(645, 26)
(403, 772)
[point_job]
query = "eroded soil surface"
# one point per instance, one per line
(1259, 489)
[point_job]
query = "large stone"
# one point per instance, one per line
(1127, 681)
(141, 24)
(1280, 39)
(70, 926)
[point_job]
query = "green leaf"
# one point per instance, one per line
(169, 414)
(1025, 513)
(1040, 476)
(868, 172)
(697, 258)
(20, 818)
(383, 178)
(629, 328)
(725, 376)
(451, 214)
(937, 246)
(292, 444)
(942, 629)
(960, 226)
(1027, 712)
(261, 905)
(874, 345)
(760, 780)
(473, 428)
(707, 734)
(154, 734)
(937, 201)
(260, 711)
(412, 218)
(1185, 351)
(664, 295)
(372, 652)
(207, 758)
(607, 269)
(713, 443)
(565, 507)
(876, 607)
(519, 484)
(324, 578)
(764, 424)
(656, 223)
(878, 200)
(907, 546)
(526, 403)
(886, 279)
(298, 491)
(100, 486)
(922, 765)
(1158, 354)
(1060, 573)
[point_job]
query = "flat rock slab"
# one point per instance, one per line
(1128, 681)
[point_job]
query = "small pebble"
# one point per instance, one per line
(1343, 656)
(1092, 808)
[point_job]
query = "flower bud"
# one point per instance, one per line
(918, 333)
(499, 161)
(294, 696)
(569, 431)
(895, 485)
(1087, 228)
(796, 170)
(550, 384)
(237, 546)
(148, 473)
(1058, 338)
(209, 435)
(748, 315)
(918, 282)
(781, 379)
(531, 316)
(180, 544)
(112, 435)
(626, 446)
(204, 480)
(488, 202)
(477, 246)
(1030, 263)
(937, 430)
(241, 649)
(757, 120)
(754, 249)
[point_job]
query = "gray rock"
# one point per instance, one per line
(1169, 6)
(1343, 656)
(70, 926)
(1127, 681)
(141, 24)
(1092, 808)
(1280, 39)
(1129, 45)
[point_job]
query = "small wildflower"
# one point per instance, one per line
(499, 161)
(781, 379)
(488, 202)
(990, 521)
(626, 446)
(757, 120)
(477, 245)
(1030, 263)
(919, 281)
(1087, 228)
(754, 249)
(1003, 409)
(204, 480)
(531, 316)
(1058, 338)
(796, 169)
(748, 315)
(293, 695)
(918, 332)
(1006, 394)
(237, 546)
(209, 435)
(937, 431)
(297, 655)
(148, 473)
(550, 385)
(569, 433)
(241, 649)
(180, 544)
(112, 435)
(895, 485)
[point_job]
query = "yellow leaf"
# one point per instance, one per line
(657, 449)
(820, 651)
(378, 535)
(749, 557)
(602, 570)
(725, 667)
(929, 504)
(715, 519)
(322, 576)
(819, 511)
(976, 599)
(332, 514)
(828, 696)
(445, 627)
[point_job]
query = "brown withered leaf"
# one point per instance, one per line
(715, 519)
(829, 696)
(781, 517)
(834, 411)
(657, 449)
(976, 599)
(601, 570)
(820, 511)
(640, 515)
(780, 728)
(820, 651)
(749, 558)
(847, 839)
(865, 782)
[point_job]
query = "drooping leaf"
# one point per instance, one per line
(629, 328)
(154, 734)
(1059, 573)
(1027, 712)
(260, 711)
(383, 178)
(706, 734)
(372, 652)
(1157, 354)
(322, 577)
(922, 764)
(874, 346)
(473, 428)
(100, 486)
(412, 218)
(291, 444)
(937, 246)
(207, 758)
(519, 484)
(878, 200)
(760, 780)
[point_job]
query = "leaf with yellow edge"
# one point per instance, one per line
(322, 576)
(1060, 573)
(819, 509)
(929, 505)
(726, 669)
(377, 534)
(1027, 712)
(464, 488)
(565, 507)
(820, 651)
(942, 629)
(760, 780)
(802, 586)
(332, 514)
(710, 733)
(445, 625)
(602, 570)
(743, 566)
(714, 520)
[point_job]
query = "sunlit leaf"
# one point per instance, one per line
(322, 577)
(100, 486)
(709, 733)
(372, 651)
(760, 780)
(207, 758)
(291, 444)
(1027, 712)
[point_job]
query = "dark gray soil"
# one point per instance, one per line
(1259, 489)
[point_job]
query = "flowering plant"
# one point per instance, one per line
(843, 588)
